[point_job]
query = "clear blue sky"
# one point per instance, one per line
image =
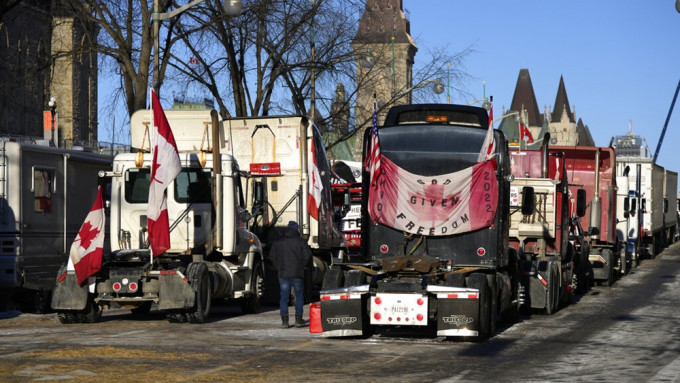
(620, 59)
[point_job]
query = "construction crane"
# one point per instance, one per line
(670, 111)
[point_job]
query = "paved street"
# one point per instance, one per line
(625, 333)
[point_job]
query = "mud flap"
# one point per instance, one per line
(600, 267)
(68, 295)
(175, 292)
(458, 313)
(536, 285)
(343, 313)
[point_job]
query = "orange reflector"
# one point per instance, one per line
(437, 119)
(61, 277)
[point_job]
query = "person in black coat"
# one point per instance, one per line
(290, 256)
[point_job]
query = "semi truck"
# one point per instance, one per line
(626, 219)
(212, 255)
(593, 169)
(551, 268)
(435, 247)
(42, 189)
(648, 178)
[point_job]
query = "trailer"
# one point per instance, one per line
(42, 192)
(626, 218)
(648, 194)
(552, 270)
(211, 253)
(435, 249)
(593, 169)
(289, 178)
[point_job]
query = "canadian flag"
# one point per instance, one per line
(525, 134)
(87, 249)
(315, 185)
(488, 150)
(164, 169)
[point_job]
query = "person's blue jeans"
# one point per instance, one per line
(298, 286)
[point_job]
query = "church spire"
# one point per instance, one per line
(561, 104)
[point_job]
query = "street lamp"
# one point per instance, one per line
(53, 109)
(231, 8)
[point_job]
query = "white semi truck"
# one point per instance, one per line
(212, 255)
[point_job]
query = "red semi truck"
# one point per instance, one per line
(551, 268)
(593, 169)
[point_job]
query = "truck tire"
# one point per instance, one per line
(608, 257)
(478, 281)
(333, 279)
(175, 316)
(355, 278)
(92, 313)
(552, 296)
(252, 303)
(199, 276)
(493, 303)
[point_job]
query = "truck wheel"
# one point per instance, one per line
(175, 316)
(67, 317)
(552, 297)
(493, 304)
(199, 276)
(608, 257)
(355, 278)
(252, 303)
(319, 270)
(92, 312)
(333, 279)
(478, 281)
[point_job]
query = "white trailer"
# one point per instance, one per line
(45, 194)
(280, 153)
(648, 179)
(625, 218)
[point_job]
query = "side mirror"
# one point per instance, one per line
(581, 202)
(528, 202)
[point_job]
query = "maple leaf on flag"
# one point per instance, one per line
(87, 233)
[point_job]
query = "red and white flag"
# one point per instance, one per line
(87, 249)
(525, 134)
(488, 150)
(315, 185)
(164, 169)
(434, 205)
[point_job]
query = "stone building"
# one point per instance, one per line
(561, 122)
(384, 54)
(45, 54)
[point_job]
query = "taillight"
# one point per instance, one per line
(117, 286)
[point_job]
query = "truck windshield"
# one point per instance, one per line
(432, 149)
(193, 186)
(137, 185)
